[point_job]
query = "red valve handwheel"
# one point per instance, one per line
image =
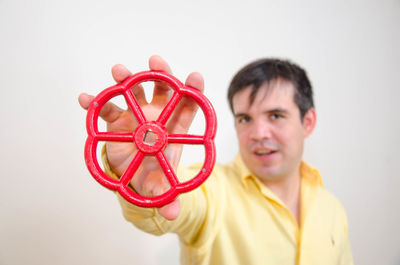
(156, 148)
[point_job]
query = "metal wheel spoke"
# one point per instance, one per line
(133, 166)
(114, 136)
(169, 108)
(167, 168)
(185, 139)
(134, 105)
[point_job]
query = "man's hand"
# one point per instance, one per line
(149, 179)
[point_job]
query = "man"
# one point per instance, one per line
(265, 207)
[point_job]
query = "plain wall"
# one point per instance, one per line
(51, 209)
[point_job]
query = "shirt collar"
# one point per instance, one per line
(311, 181)
(308, 173)
(243, 172)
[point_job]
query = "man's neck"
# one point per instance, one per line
(288, 190)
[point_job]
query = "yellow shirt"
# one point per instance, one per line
(234, 219)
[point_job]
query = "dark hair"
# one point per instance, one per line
(266, 70)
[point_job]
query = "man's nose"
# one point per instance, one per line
(260, 130)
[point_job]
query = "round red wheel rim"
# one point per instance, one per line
(156, 147)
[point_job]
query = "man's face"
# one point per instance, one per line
(270, 131)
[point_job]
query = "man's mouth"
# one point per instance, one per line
(262, 152)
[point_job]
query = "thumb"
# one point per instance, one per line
(170, 211)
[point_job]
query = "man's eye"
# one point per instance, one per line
(243, 119)
(276, 116)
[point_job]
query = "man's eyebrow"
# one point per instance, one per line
(274, 110)
(240, 114)
(277, 110)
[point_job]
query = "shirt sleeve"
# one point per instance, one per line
(189, 223)
(345, 255)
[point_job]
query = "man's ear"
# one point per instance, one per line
(309, 121)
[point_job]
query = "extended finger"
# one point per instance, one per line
(185, 111)
(120, 73)
(109, 112)
(196, 81)
(162, 92)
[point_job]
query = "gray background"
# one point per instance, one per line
(53, 212)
